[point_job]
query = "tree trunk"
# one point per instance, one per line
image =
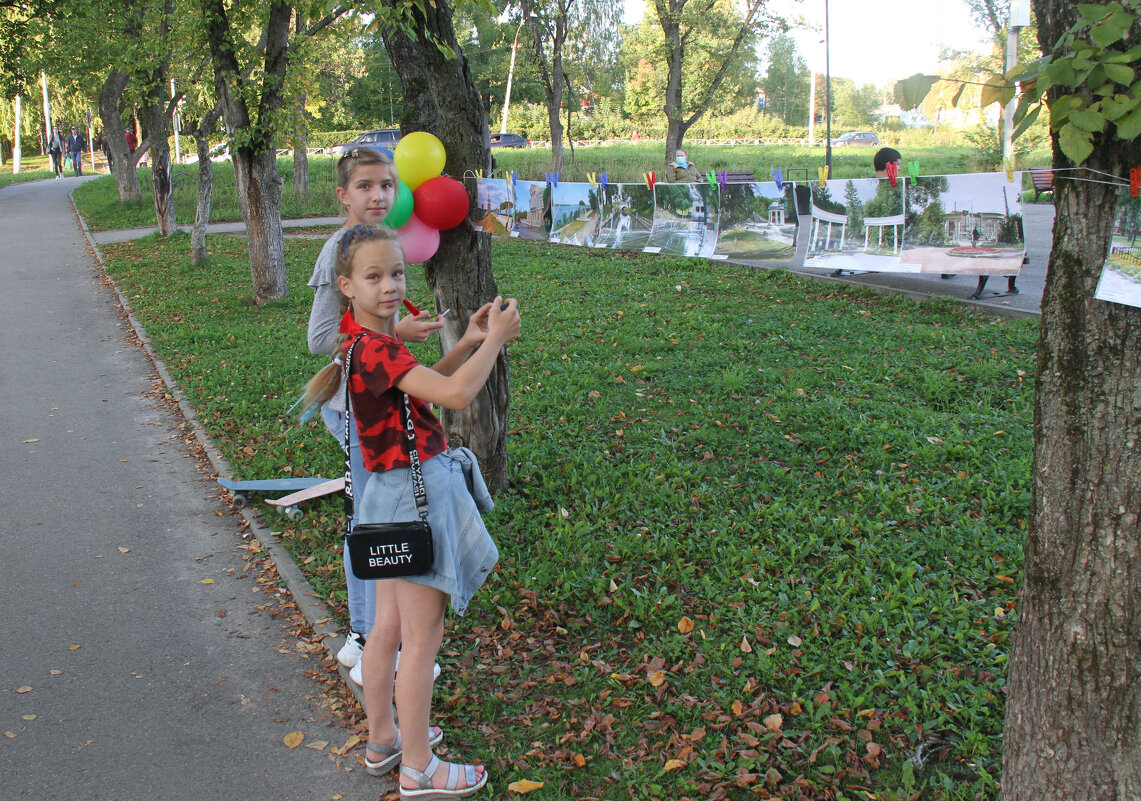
(301, 152)
(198, 254)
(126, 178)
(259, 187)
(442, 97)
(161, 175)
(671, 28)
(1073, 711)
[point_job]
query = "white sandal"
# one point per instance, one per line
(390, 755)
(423, 778)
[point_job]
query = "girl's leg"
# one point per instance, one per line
(421, 630)
(379, 665)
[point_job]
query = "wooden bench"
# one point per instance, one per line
(1043, 180)
(739, 177)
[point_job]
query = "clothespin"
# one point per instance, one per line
(651, 177)
(1135, 182)
(711, 176)
(722, 179)
(913, 170)
(553, 178)
(823, 173)
(1008, 168)
(592, 179)
(892, 169)
(602, 180)
(514, 177)
(778, 177)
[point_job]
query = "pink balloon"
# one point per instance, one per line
(418, 240)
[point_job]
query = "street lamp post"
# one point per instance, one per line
(1019, 19)
(827, 96)
(510, 74)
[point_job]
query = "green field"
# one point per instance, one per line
(763, 538)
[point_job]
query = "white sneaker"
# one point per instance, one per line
(357, 675)
(350, 653)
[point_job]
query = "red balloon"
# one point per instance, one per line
(441, 202)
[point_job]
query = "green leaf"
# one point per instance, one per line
(1061, 72)
(1107, 32)
(1028, 121)
(1129, 126)
(1075, 143)
(1119, 73)
(956, 97)
(1091, 13)
(910, 92)
(996, 90)
(1088, 120)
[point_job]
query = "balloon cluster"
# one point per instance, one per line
(426, 202)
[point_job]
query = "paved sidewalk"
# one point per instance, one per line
(136, 661)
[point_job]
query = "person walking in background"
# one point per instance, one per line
(55, 151)
(76, 144)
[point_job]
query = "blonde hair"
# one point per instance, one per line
(320, 389)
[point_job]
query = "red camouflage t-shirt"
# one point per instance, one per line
(379, 362)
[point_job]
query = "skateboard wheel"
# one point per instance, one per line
(241, 500)
(294, 513)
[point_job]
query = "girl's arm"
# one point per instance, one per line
(473, 337)
(457, 390)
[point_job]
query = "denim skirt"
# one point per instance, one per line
(465, 553)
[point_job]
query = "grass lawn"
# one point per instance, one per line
(764, 536)
(32, 168)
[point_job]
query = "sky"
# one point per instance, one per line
(875, 41)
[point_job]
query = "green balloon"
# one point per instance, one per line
(401, 210)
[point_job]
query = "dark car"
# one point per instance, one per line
(856, 138)
(508, 140)
(386, 138)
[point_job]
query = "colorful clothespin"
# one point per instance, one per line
(778, 178)
(651, 177)
(514, 176)
(602, 180)
(1008, 168)
(1135, 182)
(722, 179)
(913, 170)
(592, 179)
(711, 177)
(823, 173)
(553, 178)
(892, 170)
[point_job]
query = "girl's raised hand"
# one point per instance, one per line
(503, 319)
(477, 326)
(417, 328)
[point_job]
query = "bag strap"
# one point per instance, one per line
(413, 454)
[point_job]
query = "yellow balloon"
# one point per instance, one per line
(418, 157)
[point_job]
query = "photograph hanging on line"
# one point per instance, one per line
(532, 210)
(964, 225)
(496, 204)
(757, 224)
(685, 220)
(1120, 280)
(625, 216)
(574, 214)
(856, 224)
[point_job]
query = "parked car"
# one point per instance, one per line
(386, 138)
(508, 140)
(856, 138)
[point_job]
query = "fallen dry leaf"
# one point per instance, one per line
(207, 581)
(11, 735)
(293, 739)
(579, 760)
(73, 647)
(524, 786)
(685, 625)
(657, 679)
(673, 764)
(318, 745)
(28, 717)
(774, 721)
(794, 641)
(24, 689)
(745, 647)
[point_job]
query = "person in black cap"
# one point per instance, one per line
(75, 147)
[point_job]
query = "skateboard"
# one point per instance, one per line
(241, 489)
(289, 503)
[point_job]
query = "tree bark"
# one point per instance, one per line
(126, 179)
(441, 97)
(1073, 712)
(198, 253)
(162, 177)
(253, 152)
(553, 28)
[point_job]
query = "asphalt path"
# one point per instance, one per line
(140, 655)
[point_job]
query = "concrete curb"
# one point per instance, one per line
(315, 611)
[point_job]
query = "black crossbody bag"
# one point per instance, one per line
(388, 550)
